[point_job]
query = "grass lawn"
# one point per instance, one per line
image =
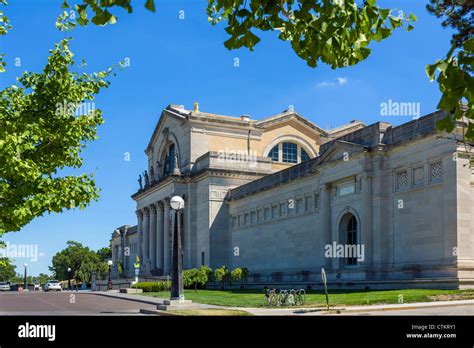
(254, 298)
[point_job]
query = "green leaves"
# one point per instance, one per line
(335, 33)
(45, 123)
(456, 85)
(82, 261)
(150, 5)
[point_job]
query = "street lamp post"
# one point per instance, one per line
(177, 290)
(69, 278)
(109, 284)
(25, 285)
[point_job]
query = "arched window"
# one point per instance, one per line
(352, 238)
(304, 155)
(273, 154)
(289, 152)
(168, 165)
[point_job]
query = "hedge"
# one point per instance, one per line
(152, 286)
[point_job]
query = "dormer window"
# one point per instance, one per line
(273, 154)
(288, 152)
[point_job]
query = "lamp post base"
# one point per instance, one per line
(174, 304)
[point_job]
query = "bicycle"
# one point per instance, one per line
(270, 298)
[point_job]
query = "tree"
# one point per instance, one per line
(41, 134)
(80, 259)
(44, 126)
(240, 275)
(454, 71)
(42, 278)
(336, 33)
(105, 253)
(223, 276)
(456, 14)
(7, 269)
(189, 277)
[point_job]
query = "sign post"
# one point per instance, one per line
(323, 275)
(136, 265)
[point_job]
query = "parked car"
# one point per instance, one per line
(37, 286)
(4, 286)
(52, 285)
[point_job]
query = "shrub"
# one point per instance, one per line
(150, 286)
(240, 275)
(196, 277)
(223, 276)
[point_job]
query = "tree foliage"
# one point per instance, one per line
(42, 132)
(195, 277)
(240, 275)
(80, 259)
(7, 269)
(337, 33)
(223, 276)
(456, 14)
(454, 72)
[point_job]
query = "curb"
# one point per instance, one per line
(124, 298)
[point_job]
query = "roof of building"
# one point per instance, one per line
(375, 135)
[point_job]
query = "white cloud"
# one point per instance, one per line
(338, 81)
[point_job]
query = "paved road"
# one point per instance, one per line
(66, 303)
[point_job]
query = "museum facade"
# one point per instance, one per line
(376, 206)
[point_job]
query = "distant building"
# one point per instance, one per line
(378, 206)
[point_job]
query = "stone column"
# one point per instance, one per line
(365, 229)
(152, 239)
(146, 238)
(139, 234)
(331, 235)
(159, 235)
(166, 237)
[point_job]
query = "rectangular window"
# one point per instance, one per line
(299, 205)
(267, 214)
(203, 258)
(436, 172)
(253, 217)
(347, 189)
(274, 212)
(289, 153)
(402, 180)
(316, 201)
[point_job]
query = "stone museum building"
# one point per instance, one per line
(376, 206)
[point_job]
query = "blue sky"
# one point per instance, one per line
(180, 61)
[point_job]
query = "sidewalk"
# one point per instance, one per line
(354, 309)
(294, 311)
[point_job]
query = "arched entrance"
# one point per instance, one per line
(348, 234)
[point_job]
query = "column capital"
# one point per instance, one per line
(146, 211)
(152, 208)
(159, 205)
(139, 213)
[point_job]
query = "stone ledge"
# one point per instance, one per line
(131, 291)
(175, 305)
